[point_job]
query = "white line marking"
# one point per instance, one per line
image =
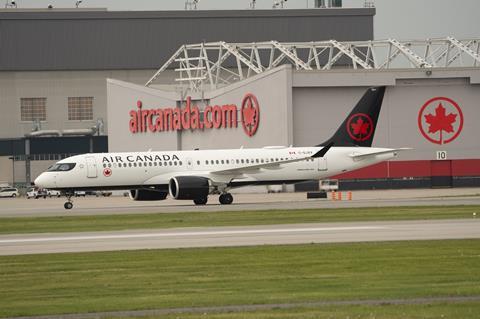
(187, 234)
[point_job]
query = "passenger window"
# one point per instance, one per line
(104, 165)
(246, 161)
(238, 161)
(242, 160)
(256, 160)
(180, 163)
(170, 163)
(228, 162)
(223, 162)
(198, 162)
(216, 161)
(109, 165)
(206, 162)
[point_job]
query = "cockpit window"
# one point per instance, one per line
(61, 167)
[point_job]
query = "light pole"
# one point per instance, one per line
(13, 170)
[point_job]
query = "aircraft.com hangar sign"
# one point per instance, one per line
(152, 120)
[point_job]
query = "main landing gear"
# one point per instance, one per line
(225, 199)
(201, 200)
(68, 204)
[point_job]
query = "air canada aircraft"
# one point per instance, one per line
(193, 175)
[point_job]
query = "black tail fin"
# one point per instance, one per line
(358, 129)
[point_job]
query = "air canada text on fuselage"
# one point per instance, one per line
(139, 158)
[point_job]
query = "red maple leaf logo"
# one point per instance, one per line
(360, 127)
(107, 172)
(441, 121)
(249, 114)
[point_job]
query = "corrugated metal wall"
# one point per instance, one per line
(144, 40)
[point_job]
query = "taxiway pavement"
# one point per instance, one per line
(22, 207)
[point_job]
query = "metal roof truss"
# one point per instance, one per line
(212, 65)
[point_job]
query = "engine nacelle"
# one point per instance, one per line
(188, 187)
(147, 195)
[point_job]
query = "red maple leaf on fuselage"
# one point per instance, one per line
(360, 127)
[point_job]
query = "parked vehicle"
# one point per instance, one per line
(53, 193)
(36, 193)
(103, 193)
(329, 185)
(9, 192)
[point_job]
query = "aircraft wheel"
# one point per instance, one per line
(68, 205)
(226, 199)
(200, 201)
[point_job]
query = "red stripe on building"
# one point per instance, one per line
(399, 169)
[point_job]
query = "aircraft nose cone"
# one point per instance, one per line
(42, 181)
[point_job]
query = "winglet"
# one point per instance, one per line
(323, 151)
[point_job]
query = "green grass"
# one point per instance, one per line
(152, 279)
(430, 311)
(238, 218)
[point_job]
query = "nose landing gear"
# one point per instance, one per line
(68, 204)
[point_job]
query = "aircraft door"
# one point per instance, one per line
(322, 164)
(91, 167)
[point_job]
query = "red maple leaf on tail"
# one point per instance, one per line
(360, 127)
(440, 121)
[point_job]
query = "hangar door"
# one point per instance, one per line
(441, 172)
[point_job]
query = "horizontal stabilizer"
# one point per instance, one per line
(394, 150)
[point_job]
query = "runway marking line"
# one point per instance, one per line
(189, 234)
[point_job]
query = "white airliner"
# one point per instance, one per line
(193, 175)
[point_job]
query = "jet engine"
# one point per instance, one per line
(188, 187)
(147, 195)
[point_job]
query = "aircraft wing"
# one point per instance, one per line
(270, 165)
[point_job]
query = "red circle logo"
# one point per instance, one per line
(360, 127)
(250, 114)
(440, 120)
(107, 172)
